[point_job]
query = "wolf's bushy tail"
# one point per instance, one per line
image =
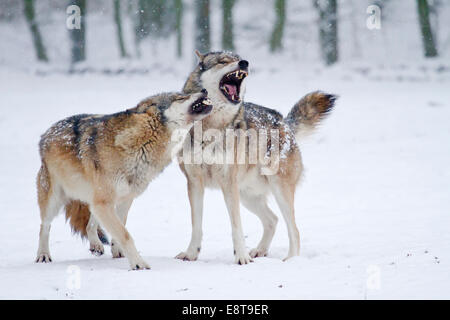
(78, 214)
(308, 112)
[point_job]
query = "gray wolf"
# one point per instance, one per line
(100, 163)
(223, 74)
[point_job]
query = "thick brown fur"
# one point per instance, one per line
(78, 214)
(309, 112)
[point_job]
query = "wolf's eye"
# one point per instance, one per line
(223, 62)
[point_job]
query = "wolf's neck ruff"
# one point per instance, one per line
(224, 115)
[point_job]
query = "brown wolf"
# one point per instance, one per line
(223, 75)
(100, 163)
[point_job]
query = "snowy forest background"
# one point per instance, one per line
(373, 206)
(140, 35)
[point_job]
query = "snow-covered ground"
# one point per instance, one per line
(373, 209)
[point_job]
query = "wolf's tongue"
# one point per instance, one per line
(232, 90)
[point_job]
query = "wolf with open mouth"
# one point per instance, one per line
(223, 74)
(96, 165)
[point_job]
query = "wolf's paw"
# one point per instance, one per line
(187, 256)
(115, 251)
(257, 253)
(96, 249)
(290, 256)
(43, 258)
(139, 264)
(242, 257)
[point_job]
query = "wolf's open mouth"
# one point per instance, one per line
(230, 85)
(201, 106)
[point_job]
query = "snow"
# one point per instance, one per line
(373, 207)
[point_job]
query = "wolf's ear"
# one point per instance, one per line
(199, 55)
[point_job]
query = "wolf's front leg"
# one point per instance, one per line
(103, 210)
(195, 192)
(122, 209)
(231, 194)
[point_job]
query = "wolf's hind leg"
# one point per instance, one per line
(122, 212)
(258, 205)
(95, 244)
(284, 195)
(50, 202)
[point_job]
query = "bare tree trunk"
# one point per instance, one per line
(355, 31)
(78, 35)
(156, 16)
(118, 22)
(227, 25)
(36, 35)
(202, 38)
(277, 33)
(328, 29)
(179, 26)
(142, 25)
(429, 45)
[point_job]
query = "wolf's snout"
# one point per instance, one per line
(201, 106)
(204, 91)
(243, 64)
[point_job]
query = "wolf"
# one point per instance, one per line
(223, 74)
(100, 163)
